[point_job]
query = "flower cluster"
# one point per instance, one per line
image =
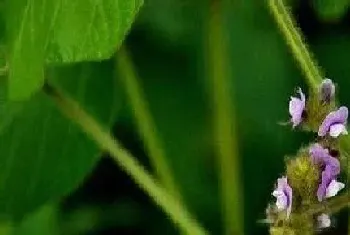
(312, 175)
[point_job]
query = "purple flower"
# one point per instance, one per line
(321, 156)
(323, 221)
(329, 186)
(283, 194)
(327, 90)
(296, 108)
(334, 123)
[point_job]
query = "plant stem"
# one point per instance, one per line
(171, 206)
(224, 123)
(295, 41)
(144, 121)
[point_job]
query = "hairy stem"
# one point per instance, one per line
(171, 206)
(144, 121)
(295, 41)
(224, 123)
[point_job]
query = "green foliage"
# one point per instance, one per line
(28, 25)
(40, 31)
(43, 155)
(90, 30)
(41, 222)
(330, 10)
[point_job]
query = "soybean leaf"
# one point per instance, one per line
(57, 31)
(28, 23)
(44, 155)
(91, 29)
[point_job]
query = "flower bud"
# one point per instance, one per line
(327, 91)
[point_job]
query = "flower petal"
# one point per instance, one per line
(323, 221)
(337, 129)
(321, 156)
(281, 183)
(283, 194)
(282, 202)
(339, 116)
(277, 193)
(281, 199)
(318, 153)
(289, 194)
(296, 108)
(333, 188)
(332, 166)
(326, 179)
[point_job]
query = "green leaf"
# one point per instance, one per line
(28, 26)
(330, 10)
(44, 155)
(57, 31)
(42, 222)
(91, 29)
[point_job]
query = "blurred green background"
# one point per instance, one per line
(167, 46)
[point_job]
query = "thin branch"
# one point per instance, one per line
(224, 122)
(171, 206)
(144, 121)
(295, 41)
